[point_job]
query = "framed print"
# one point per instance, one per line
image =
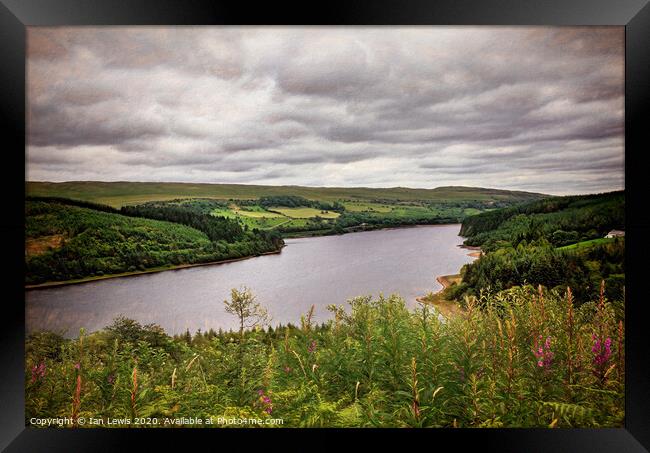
(367, 218)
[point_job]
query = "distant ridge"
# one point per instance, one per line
(119, 193)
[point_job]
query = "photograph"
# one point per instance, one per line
(417, 226)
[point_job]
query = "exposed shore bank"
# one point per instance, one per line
(444, 306)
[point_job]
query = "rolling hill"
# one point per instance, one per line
(118, 194)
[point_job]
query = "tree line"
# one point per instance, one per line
(522, 246)
(294, 201)
(559, 220)
(96, 243)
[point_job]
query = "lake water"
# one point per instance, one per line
(319, 271)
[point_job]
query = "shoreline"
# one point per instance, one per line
(153, 270)
(209, 263)
(367, 230)
(444, 306)
(476, 250)
(444, 280)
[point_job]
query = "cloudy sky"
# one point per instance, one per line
(528, 108)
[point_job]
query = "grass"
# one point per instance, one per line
(472, 211)
(367, 207)
(306, 213)
(296, 223)
(256, 214)
(289, 219)
(118, 194)
(126, 200)
(258, 217)
(222, 212)
(412, 211)
(587, 244)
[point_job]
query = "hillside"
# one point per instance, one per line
(66, 242)
(560, 220)
(556, 243)
(117, 194)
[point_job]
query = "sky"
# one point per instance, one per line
(538, 109)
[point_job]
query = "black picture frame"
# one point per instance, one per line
(15, 15)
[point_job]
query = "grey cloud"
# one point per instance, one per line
(524, 107)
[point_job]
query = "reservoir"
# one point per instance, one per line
(310, 271)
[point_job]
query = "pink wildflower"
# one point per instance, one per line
(602, 352)
(265, 401)
(38, 371)
(543, 352)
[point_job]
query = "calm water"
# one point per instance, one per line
(319, 271)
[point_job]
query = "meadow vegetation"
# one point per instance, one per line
(523, 357)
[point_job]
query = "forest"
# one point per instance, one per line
(560, 220)
(294, 201)
(557, 242)
(68, 241)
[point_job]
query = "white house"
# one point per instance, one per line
(615, 234)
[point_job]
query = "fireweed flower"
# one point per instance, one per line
(265, 401)
(312, 346)
(602, 351)
(111, 378)
(38, 371)
(543, 352)
(287, 369)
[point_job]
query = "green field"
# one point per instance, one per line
(223, 212)
(306, 213)
(366, 207)
(257, 212)
(258, 217)
(587, 244)
(472, 211)
(117, 194)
